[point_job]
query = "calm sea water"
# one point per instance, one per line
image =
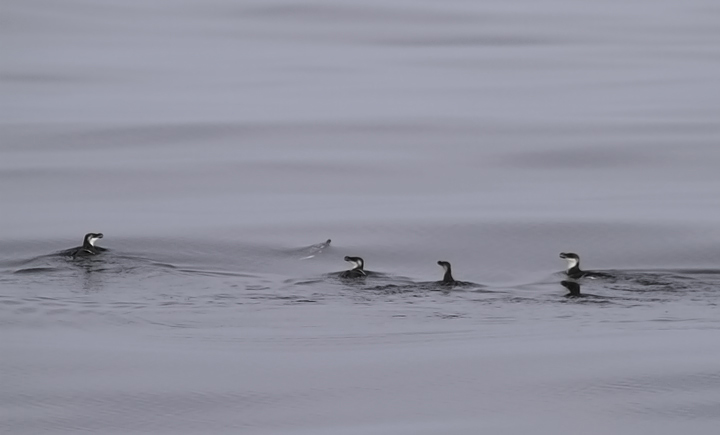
(214, 143)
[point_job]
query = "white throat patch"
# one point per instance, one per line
(356, 264)
(572, 262)
(92, 240)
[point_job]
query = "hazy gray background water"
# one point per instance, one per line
(212, 142)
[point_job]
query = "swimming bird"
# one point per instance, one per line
(313, 250)
(573, 267)
(88, 247)
(448, 281)
(447, 278)
(358, 269)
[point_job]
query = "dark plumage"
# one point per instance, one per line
(573, 267)
(88, 247)
(358, 269)
(447, 278)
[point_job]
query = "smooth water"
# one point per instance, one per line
(214, 143)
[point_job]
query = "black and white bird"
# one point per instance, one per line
(358, 269)
(573, 267)
(88, 247)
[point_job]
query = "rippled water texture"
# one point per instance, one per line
(218, 144)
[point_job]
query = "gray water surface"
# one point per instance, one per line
(215, 142)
